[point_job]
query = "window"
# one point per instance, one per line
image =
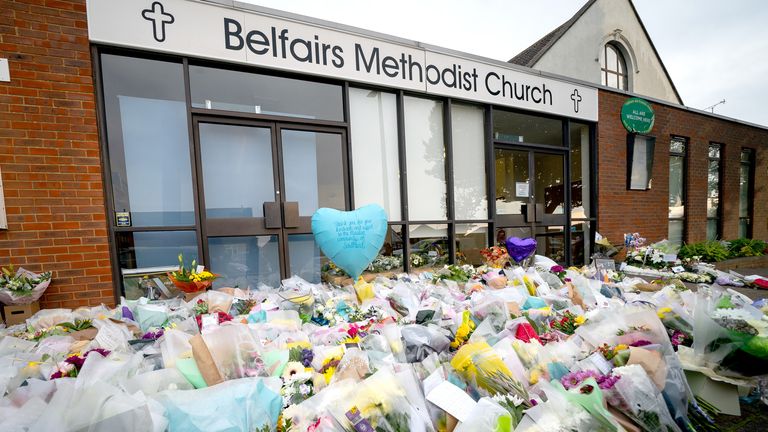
(677, 188)
(713, 192)
(746, 191)
(613, 71)
(375, 160)
(425, 159)
(582, 217)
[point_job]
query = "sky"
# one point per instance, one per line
(713, 49)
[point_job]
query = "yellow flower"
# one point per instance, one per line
(620, 347)
(663, 312)
(579, 320)
(534, 378)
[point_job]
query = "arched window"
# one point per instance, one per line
(613, 71)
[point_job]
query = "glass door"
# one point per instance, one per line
(531, 197)
(259, 184)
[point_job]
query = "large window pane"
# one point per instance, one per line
(549, 191)
(425, 156)
(313, 170)
(264, 94)
(581, 236)
(550, 242)
(306, 258)
(744, 198)
(245, 262)
(375, 160)
(148, 140)
(470, 239)
(524, 128)
(237, 170)
(676, 187)
(390, 258)
(713, 188)
(428, 245)
(712, 229)
(675, 234)
(468, 134)
(580, 169)
(155, 248)
(512, 181)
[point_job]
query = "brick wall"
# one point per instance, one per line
(49, 152)
(621, 210)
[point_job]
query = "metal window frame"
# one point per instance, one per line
(194, 114)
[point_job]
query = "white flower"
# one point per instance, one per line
(304, 389)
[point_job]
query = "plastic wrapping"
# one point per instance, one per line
(421, 341)
(235, 351)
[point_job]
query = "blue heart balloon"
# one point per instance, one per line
(351, 239)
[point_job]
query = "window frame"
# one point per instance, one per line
(606, 70)
(405, 223)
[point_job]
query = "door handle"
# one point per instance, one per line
(272, 215)
(290, 214)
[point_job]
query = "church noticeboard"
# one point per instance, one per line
(637, 116)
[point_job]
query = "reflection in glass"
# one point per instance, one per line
(744, 200)
(305, 257)
(470, 239)
(228, 90)
(390, 258)
(550, 242)
(712, 229)
(512, 181)
(524, 128)
(549, 193)
(425, 159)
(580, 243)
(502, 234)
(713, 188)
(375, 160)
(313, 170)
(743, 228)
(148, 140)
(245, 262)
(237, 170)
(155, 248)
(428, 245)
(468, 130)
(714, 151)
(580, 169)
(676, 187)
(675, 234)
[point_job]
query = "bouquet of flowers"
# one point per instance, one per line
(495, 256)
(22, 286)
(730, 333)
(189, 279)
(71, 366)
(385, 263)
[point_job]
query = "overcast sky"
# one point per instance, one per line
(713, 49)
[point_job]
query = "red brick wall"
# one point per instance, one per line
(622, 211)
(49, 152)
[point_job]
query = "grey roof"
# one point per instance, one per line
(529, 56)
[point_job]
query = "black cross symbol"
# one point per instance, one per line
(576, 98)
(159, 19)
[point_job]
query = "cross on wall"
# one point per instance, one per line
(576, 98)
(159, 18)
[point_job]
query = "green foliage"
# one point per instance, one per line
(708, 251)
(746, 247)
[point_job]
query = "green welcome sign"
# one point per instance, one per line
(637, 116)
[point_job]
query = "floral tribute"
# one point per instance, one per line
(189, 279)
(71, 366)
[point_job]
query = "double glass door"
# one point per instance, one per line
(259, 184)
(531, 197)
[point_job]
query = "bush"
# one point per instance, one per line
(709, 251)
(746, 247)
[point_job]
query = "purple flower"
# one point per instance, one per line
(101, 351)
(557, 269)
(306, 357)
(640, 343)
(574, 379)
(76, 361)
